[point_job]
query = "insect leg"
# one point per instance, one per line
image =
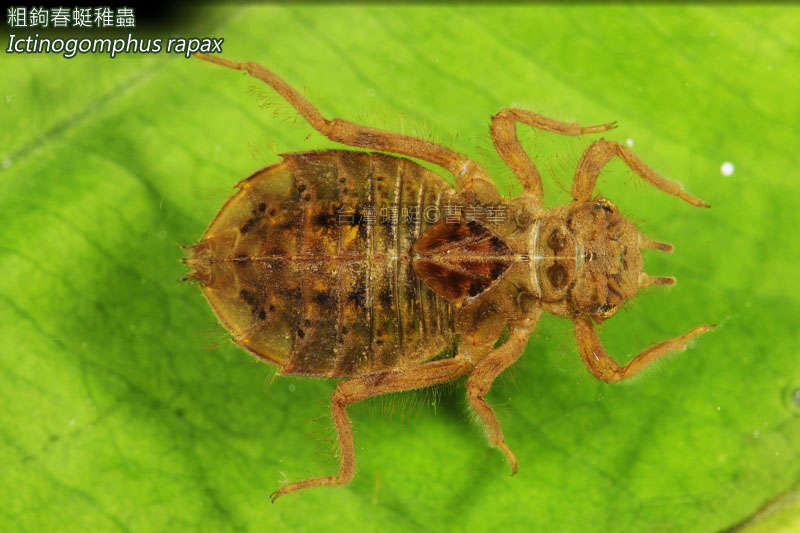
(359, 388)
(601, 152)
(463, 169)
(481, 379)
(605, 368)
(504, 137)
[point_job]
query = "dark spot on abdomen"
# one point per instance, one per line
(325, 219)
(358, 296)
(385, 296)
(249, 297)
(247, 225)
(324, 299)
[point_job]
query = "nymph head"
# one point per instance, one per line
(588, 260)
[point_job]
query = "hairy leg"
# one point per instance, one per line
(506, 142)
(465, 171)
(605, 368)
(359, 388)
(601, 152)
(481, 379)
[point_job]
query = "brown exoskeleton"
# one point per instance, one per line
(307, 271)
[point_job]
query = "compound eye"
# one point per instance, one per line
(605, 205)
(605, 310)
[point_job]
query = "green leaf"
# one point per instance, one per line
(126, 408)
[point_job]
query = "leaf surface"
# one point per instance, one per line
(126, 408)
